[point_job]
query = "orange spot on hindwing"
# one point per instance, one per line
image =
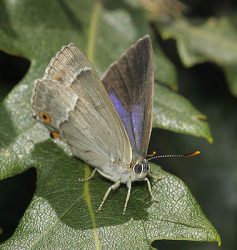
(55, 134)
(45, 117)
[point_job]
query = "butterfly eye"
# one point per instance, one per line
(141, 168)
(45, 117)
(138, 168)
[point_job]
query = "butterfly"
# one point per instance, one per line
(107, 123)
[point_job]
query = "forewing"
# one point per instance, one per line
(129, 83)
(73, 95)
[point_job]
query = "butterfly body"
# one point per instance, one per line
(106, 123)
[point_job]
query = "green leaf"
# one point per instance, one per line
(174, 112)
(62, 212)
(212, 40)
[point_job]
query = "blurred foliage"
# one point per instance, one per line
(104, 30)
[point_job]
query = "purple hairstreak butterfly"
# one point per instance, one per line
(107, 123)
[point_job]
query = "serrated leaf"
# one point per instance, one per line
(212, 40)
(62, 212)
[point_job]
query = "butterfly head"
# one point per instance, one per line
(141, 169)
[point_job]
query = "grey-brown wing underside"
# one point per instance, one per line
(129, 83)
(80, 109)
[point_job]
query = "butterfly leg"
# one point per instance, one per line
(113, 187)
(149, 188)
(129, 185)
(89, 177)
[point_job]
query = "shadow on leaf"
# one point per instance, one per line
(76, 202)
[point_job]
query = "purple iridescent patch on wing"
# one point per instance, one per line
(131, 121)
(138, 124)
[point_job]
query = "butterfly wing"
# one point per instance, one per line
(73, 98)
(129, 83)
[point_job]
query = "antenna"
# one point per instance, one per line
(154, 156)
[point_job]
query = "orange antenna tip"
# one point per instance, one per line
(193, 154)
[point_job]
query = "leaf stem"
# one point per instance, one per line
(92, 30)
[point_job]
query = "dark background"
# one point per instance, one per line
(212, 177)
